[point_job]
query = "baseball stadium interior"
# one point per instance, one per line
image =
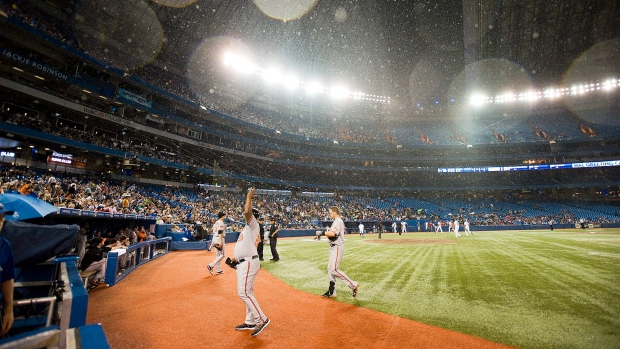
(502, 113)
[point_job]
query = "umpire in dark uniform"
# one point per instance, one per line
(261, 242)
(273, 238)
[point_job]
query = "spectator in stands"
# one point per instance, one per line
(125, 203)
(108, 237)
(93, 260)
(7, 276)
(150, 236)
(113, 244)
(26, 188)
(141, 235)
(132, 234)
(123, 261)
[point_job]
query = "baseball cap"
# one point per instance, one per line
(3, 210)
(221, 214)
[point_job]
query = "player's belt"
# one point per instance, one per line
(245, 259)
(332, 245)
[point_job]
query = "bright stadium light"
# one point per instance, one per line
(609, 85)
(339, 92)
(509, 97)
(477, 99)
(532, 96)
(314, 87)
(291, 82)
(272, 75)
(238, 64)
(228, 58)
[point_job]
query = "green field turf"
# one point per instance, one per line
(529, 289)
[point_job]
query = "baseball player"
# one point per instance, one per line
(438, 227)
(456, 228)
(335, 234)
(218, 242)
(394, 227)
(248, 265)
(361, 228)
(403, 227)
(466, 225)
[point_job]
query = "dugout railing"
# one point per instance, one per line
(122, 262)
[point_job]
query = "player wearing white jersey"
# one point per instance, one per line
(456, 228)
(466, 225)
(247, 268)
(218, 241)
(335, 234)
(438, 227)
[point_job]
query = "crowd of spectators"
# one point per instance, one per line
(61, 128)
(170, 205)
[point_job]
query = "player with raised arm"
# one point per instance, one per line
(248, 265)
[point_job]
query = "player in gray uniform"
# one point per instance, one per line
(466, 225)
(335, 234)
(219, 238)
(247, 268)
(456, 228)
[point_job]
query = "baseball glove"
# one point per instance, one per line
(231, 263)
(218, 247)
(332, 238)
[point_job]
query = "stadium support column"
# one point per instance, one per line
(471, 35)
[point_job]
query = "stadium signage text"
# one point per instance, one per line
(66, 159)
(27, 61)
(530, 167)
(134, 98)
(7, 153)
(100, 114)
(59, 160)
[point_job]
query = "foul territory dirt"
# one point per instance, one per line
(173, 302)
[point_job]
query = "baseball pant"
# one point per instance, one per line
(99, 267)
(273, 242)
(246, 274)
(219, 256)
(333, 267)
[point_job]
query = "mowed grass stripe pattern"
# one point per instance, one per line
(529, 289)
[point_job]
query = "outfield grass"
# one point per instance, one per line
(529, 289)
